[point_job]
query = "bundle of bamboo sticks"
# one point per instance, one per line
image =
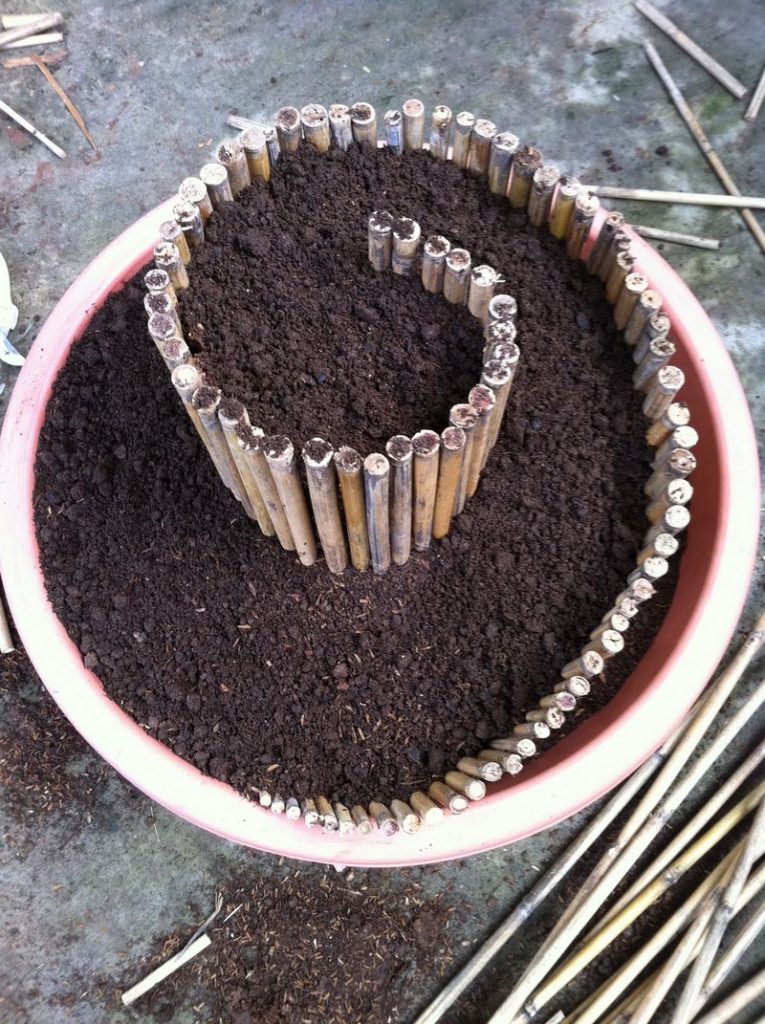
(372, 510)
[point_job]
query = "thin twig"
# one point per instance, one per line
(653, 195)
(678, 237)
(701, 139)
(28, 127)
(62, 95)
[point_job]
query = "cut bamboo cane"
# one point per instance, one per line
(30, 28)
(664, 545)
(716, 70)
(215, 177)
(162, 328)
(393, 123)
(553, 717)
(661, 394)
(677, 415)
(677, 237)
(380, 239)
(361, 820)
(232, 156)
(586, 205)
(683, 436)
(34, 132)
(408, 820)
(406, 240)
(322, 487)
(648, 303)
(385, 821)
(483, 399)
(193, 190)
(280, 455)
(483, 280)
(563, 202)
(450, 466)
(659, 353)
(563, 700)
(668, 485)
(327, 816)
(615, 621)
(350, 473)
(701, 140)
(340, 126)
(755, 103)
(623, 265)
(652, 570)
(414, 125)
(613, 222)
(253, 141)
(277, 804)
(160, 302)
(499, 341)
(166, 969)
(457, 276)
(287, 124)
(310, 813)
(479, 153)
(447, 797)
(167, 258)
(532, 730)
(498, 376)
(524, 746)
(480, 768)
(189, 220)
(187, 380)
(674, 521)
(171, 231)
(526, 161)
(425, 446)
(465, 418)
(633, 287)
(264, 799)
(292, 809)
(441, 123)
(502, 308)
(376, 491)
(733, 201)
(364, 124)
(14, 20)
(316, 130)
(400, 452)
(429, 812)
(510, 763)
(434, 253)
(40, 39)
(206, 400)
(540, 198)
(175, 352)
(725, 964)
(272, 145)
(158, 282)
(739, 1000)
(578, 686)
(463, 129)
(473, 789)
(657, 326)
(504, 146)
(250, 441)
(544, 886)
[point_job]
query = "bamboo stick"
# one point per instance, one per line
(464, 417)
(380, 239)
(483, 400)
(361, 820)
(611, 224)
(633, 287)
(253, 142)
(480, 768)
(393, 123)
(426, 446)
(657, 326)
(364, 124)
(168, 258)
(702, 141)
(473, 789)
(665, 385)
(250, 441)
(526, 161)
(504, 145)
(231, 415)
(508, 762)
(315, 122)
(434, 253)
(648, 303)
(406, 240)
(327, 817)
(622, 266)
(34, 132)
(659, 353)
(414, 125)
(231, 155)
(323, 489)
(400, 453)
(408, 820)
(755, 103)
(586, 205)
(287, 124)
(340, 126)
(737, 1001)
(730, 958)
(310, 813)
(215, 178)
(483, 280)
(562, 209)
(14, 20)
(450, 465)
(540, 197)
(62, 94)
(441, 123)
(677, 415)
(206, 400)
(557, 871)
(429, 812)
(280, 455)
(41, 39)
(502, 308)
(189, 220)
(166, 969)
(158, 282)
(479, 153)
(170, 231)
(384, 820)
(376, 490)
(30, 28)
(733, 201)
(716, 70)
(6, 639)
(193, 190)
(349, 466)
(292, 809)
(524, 746)
(457, 275)
(678, 237)
(463, 129)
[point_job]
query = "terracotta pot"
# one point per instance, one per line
(714, 576)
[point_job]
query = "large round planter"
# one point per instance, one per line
(714, 576)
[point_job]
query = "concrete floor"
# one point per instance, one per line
(87, 895)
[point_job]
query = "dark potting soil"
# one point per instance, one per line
(262, 672)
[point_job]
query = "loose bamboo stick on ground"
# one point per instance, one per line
(59, 90)
(504, 146)
(281, 459)
(725, 964)
(678, 237)
(250, 441)
(414, 125)
(450, 465)
(441, 122)
(425, 445)
(716, 70)
(350, 472)
(733, 201)
(322, 487)
(166, 969)
(755, 103)
(543, 887)
(376, 491)
(399, 450)
(30, 28)
(737, 1001)
(702, 141)
(29, 127)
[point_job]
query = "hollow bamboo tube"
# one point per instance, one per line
(526, 162)
(657, 326)
(315, 122)
(664, 545)
(287, 124)
(434, 253)
(190, 221)
(310, 813)
(322, 487)
(327, 816)
(414, 125)
(292, 808)
(502, 307)
(613, 620)
(683, 436)
(186, 379)
(676, 415)
(623, 265)
(586, 205)
(280, 455)
(465, 418)
(669, 489)
(345, 822)
(376, 491)
(167, 258)
(540, 197)
(340, 125)
(231, 155)
(552, 717)
(250, 441)
(756, 100)
(399, 450)
(648, 303)
(483, 399)
(231, 415)
(613, 222)
(215, 177)
(175, 352)
(479, 153)
(457, 275)
(172, 232)
(659, 353)
(577, 686)
(364, 124)
(478, 768)
(633, 287)
(380, 239)
(205, 401)
(463, 129)
(385, 821)
(253, 141)
(349, 466)
(498, 376)
(607, 643)
(564, 198)
(158, 282)
(473, 789)
(504, 146)
(447, 797)
(441, 122)
(430, 813)
(673, 521)
(511, 764)
(499, 341)
(393, 123)
(523, 746)
(483, 280)
(407, 818)
(193, 190)
(160, 302)
(162, 328)
(272, 145)
(532, 730)
(452, 448)
(562, 699)
(620, 242)
(661, 394)
(652, 570)
(361, 820)
(277, 804)
(588, 664)
(425, 446)
(406, 239)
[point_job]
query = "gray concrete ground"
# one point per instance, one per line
(87, 893)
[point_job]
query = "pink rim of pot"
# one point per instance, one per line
(714, 579)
